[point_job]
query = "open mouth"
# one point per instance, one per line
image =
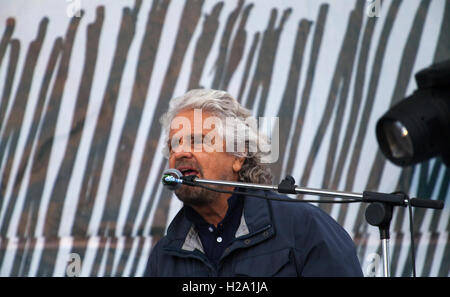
(188, 171)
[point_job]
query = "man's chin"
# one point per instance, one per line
(193, 196)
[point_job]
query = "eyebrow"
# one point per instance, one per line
(169, 141)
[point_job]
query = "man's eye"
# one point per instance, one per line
(173, 145)
(209, 140)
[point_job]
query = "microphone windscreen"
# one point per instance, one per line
(176, 174)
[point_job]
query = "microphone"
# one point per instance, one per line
(172, 179)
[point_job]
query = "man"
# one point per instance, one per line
(222, 234)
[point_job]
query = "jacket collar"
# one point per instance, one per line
(256, 217)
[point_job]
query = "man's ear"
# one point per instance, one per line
(237, 164)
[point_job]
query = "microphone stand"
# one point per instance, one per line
(378, 213)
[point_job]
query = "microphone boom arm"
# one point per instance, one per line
(378, 213)
(287, 186)
(297, 190)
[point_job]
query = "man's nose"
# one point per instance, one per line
(176, 157)
(181, 154)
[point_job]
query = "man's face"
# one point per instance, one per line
(197, 147)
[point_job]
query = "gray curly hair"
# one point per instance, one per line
(224, 106)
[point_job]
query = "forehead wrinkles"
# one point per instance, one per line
(197, 128)
(196, 123)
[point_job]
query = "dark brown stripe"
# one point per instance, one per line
(404, 184)
(137, 256)
(338, 86)
(223, 49)
(110, 256)
(286, 110)
(443, 193)
(264, 68)
(12, 65)
(15, 120)
(427, 184)
(404, 74)
(23, 259)
(444, 270)
(407, 267)
(371, 92)
(237, 49)
(91, 176)
(130, 128)
(399, 243)
(21, 254)
(347, 72)
(46, 135)
(403, 77)
(99, 253)
(3, 245)
(126, 253)
(442, 51)
(248, 65)
(430, 255)
(354, 111)
(53, 219)
(189, 19)
(204, 45)
(6, 38)
(162, 209)
(305, 97)
(160, 222)
(32, 137)
(400, 214)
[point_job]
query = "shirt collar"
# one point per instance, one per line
(235, 203)
(256, 216)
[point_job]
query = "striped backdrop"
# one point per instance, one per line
(81, 93)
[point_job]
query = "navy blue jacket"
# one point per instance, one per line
(274, 238)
